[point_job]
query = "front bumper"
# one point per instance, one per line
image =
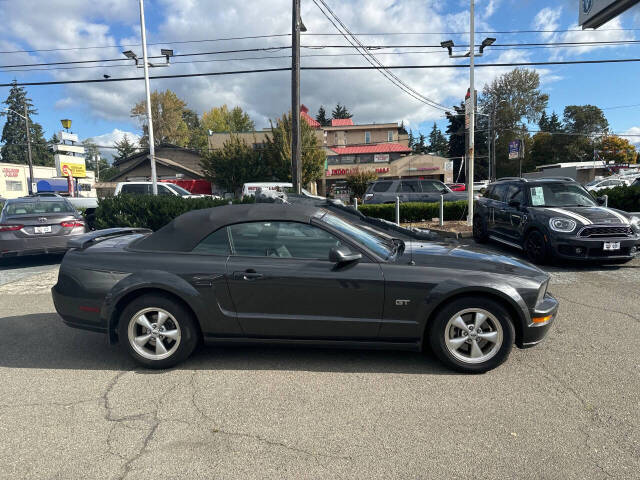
(534, 333)
(575, 248)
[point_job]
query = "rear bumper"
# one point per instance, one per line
(33, 246)
(78, 313)
(534, 333)
(575, 248)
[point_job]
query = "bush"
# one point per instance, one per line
(148, 211)
(416, 212)
(623, 198)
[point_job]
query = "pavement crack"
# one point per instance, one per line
(633, 317)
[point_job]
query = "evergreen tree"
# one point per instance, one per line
(437, 142)
(14, 135)
(321, 117)
(124, 148)
(543, 124)
(341, 112)
(94, 160)
(421, 144)
(412, 140)
(555, 125)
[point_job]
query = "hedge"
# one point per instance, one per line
(416, 212)
(148, 211)
(623, 198)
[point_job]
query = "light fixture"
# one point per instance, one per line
(66, 123)
(167, 53)
(486, 43)
(130, 54)
(448, 44)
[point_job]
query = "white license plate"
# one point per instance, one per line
(46, 229)
(611, 246)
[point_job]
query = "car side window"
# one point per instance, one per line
(164, 190)
(135, 188)
(430, 186)
(409, 186)
(498, 192)
(380, 187)
(515, 193)
(215, 244)
(281, 240)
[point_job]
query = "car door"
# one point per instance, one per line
(495, 205)
(509, 216)
(431, 191)
(409, 191)
(283, 285)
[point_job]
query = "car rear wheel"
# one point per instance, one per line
(536, 248)
(480, 233)
(157, 332)
(472, 335)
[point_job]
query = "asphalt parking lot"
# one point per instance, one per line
(73, 407)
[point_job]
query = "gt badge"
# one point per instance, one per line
(402, 303)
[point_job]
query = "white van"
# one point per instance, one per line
(250, 189)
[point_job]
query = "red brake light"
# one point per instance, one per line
(72, 224)
(10, 228)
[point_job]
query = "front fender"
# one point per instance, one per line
(146, 280)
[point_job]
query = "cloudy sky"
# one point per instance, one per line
(63, 31)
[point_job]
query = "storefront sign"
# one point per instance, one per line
(10, 172)
(381, 158)
(347, 171)
(66, 164)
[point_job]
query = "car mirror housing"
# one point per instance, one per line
(600, 200)
(514, 204)
(343, 255)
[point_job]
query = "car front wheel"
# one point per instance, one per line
(535, 246)
(157, 332)
(472, 335)
(480, 233)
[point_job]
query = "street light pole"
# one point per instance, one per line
(296, 147)
(152, 150)
(472, 120)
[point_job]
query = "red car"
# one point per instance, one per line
(457, 187)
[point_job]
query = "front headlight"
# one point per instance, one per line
(635, 224)
(542, 292)
(561, 224)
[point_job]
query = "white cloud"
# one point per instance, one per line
(109, 140)
(547, 19)
(633, 139)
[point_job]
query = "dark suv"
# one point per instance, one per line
(554, 217)
(386, 191)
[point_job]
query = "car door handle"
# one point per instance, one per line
(247, 276)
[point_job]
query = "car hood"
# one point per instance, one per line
(460, 257)
(589, 215)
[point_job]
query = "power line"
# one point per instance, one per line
(284, 69)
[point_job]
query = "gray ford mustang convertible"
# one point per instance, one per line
(291, 274)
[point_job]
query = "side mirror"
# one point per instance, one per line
(343, 255)
(601, 201)
(514, 204)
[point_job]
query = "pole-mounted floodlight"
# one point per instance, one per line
(486, 43)
(167, 53)
(448, 44)
(131, 55)
(66, 123)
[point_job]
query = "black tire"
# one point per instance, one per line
(480, 233)
(181, 320)
(497, 353)
(536, 247)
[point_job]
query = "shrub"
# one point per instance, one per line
(416, 212)
(148, 211)
(623, 198)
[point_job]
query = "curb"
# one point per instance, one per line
(456, 235)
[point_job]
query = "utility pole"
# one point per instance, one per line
(472, 120)
(152, 150)
(26, 121)
(492, 157)
(296, 147)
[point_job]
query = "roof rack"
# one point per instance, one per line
(503, 179)
(566, 179)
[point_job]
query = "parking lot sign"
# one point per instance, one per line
(595, 13)
(515, 149)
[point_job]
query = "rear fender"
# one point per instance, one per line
(149, 280)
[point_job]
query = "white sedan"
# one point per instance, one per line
(604, 183)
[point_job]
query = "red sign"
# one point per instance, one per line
(347, 171)
(10, 172)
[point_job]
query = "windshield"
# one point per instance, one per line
(37, 208)
(177, 189)
(592, 183)
(560, 195)
(373, 242)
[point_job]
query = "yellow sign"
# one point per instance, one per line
(78, 170)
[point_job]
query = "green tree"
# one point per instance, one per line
(93, 159)
(616, 149)
(412, 140)
(458, 144)
(420, 144)
(124, 148)
(14, 134)
(517, 100)
(223, 120)
(438, 143)
(278, 151)
(197, 134)
(358, 180)
(168, 123)
(341, 112)
(586, 125)
(235, 164)
(321, 117)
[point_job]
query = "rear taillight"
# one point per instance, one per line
(10, 228)
(73, 224)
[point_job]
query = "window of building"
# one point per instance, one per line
(367, 137)
(348, 159)
(335, 138)
(390, 136)
(365, 158)
(281, 240)
(13, 185)
(215, 244)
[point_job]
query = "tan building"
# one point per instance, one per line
(14, 181)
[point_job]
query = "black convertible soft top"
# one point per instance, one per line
(185, 232)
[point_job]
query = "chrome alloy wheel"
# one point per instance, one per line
(154, 333)
(473, 335)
